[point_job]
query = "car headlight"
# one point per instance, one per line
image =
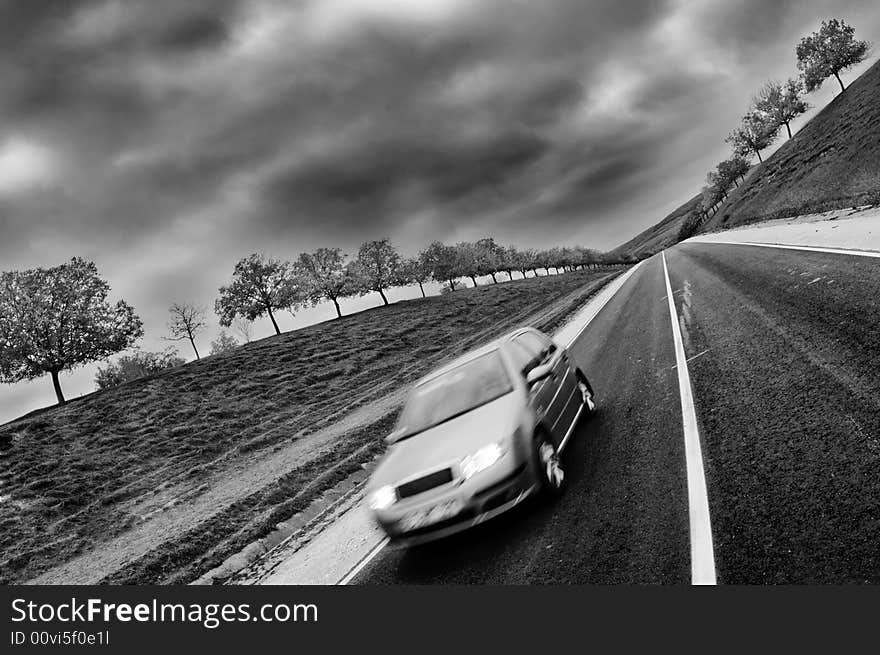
(481, 460)
(383, 497)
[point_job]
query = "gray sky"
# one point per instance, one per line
(165, 139)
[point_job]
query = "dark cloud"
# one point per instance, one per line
(166, 139)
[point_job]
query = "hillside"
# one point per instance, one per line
(659, 236)
(832, 162)
(162, 478)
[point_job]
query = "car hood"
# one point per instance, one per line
(449, 442)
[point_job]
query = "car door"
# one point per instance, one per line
(568, 396)
(544, 394)
(563, 379)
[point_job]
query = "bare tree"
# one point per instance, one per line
(186, 321)
(243, 327)
(782, 102)
(829, 51)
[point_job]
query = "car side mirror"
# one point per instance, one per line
(538, 373)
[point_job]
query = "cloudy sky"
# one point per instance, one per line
(165, 139)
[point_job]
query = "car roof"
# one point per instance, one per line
(493, 345)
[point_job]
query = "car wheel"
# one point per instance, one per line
(588, 397)
(550, 472)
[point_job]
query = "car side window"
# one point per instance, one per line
(532, 348)
(533, 344)
(523, 360)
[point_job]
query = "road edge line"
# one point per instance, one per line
(702, 550)
(785, 246)
(366, 559)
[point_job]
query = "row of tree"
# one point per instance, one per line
(54, 319)
(263, 286)
(823, 54)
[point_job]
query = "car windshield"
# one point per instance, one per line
(453, 393)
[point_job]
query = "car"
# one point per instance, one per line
(478, 436)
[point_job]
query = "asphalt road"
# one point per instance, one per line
(784, 359)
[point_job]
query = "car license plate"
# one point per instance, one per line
(428, 516)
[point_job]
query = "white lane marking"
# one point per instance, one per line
(702, 551)
(366, 560)
(814, 281)
(783, 246)
(583, 318)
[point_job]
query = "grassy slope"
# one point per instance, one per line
(831, 163)
(659, 236)
(77, 479)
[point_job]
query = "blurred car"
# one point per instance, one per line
(478, 436)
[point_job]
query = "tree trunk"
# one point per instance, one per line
(759, 156)
(840, 81)
(510, 274)
(473, 279)
(384, 299)
(195, 350)
(336, 305)
(788, 128)
(422, 289)
(272, 318)
(736, 184)
(451, 284)
(493, 278)
(57, 384)
(547, 270)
